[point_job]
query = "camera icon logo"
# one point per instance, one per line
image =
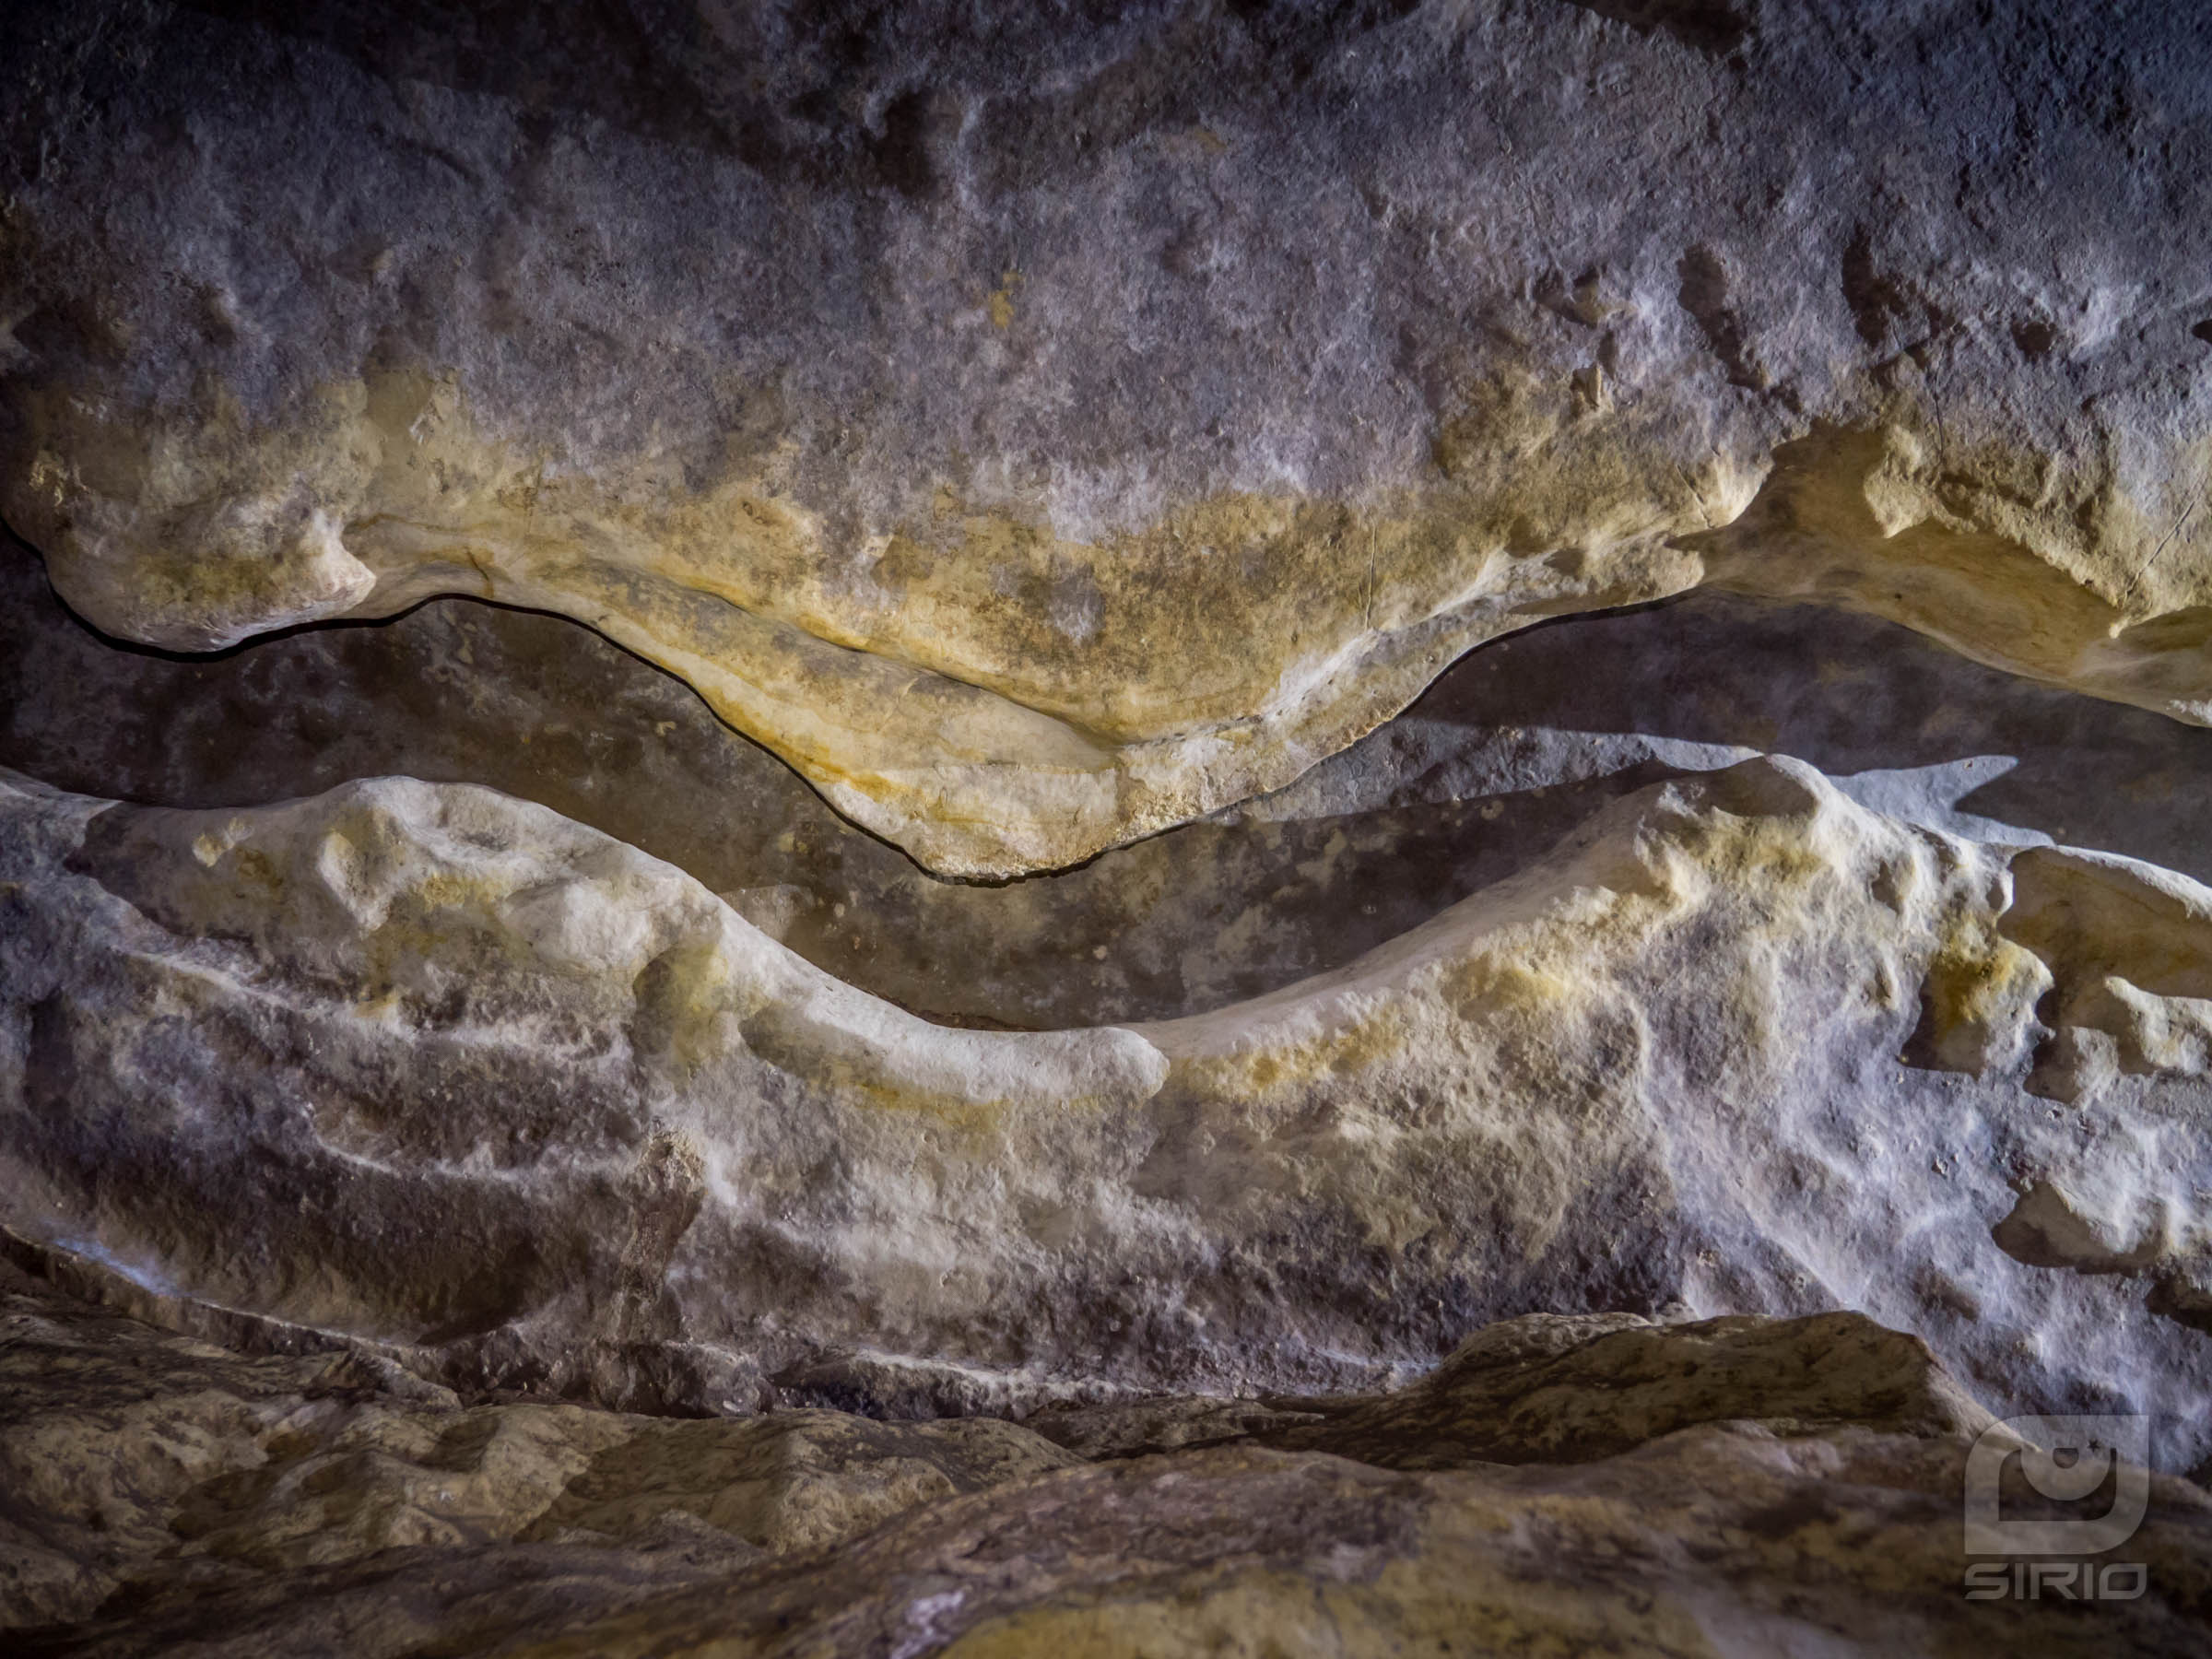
(2066, 1460)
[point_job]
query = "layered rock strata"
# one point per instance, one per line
(1738, 1486)
(493, 1161)
(1041, 432)
(1512, 751)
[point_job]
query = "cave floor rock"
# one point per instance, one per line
(1737, 1487)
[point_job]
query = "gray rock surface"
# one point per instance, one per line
(822, 826)
(129, 1456)
(1737, 1488)
(1044, 429)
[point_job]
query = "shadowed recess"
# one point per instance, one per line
(1510, 750)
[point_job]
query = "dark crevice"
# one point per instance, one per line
(1717, 28)
(1505, 755)
(1704, 295)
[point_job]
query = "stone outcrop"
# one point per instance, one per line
(130, 1455)
(1270, 827)
(443, 1074)
(1510, 751)
(1739, 1486)
(1041, 432)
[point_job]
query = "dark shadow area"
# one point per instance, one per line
(840, 94)
(1716, 26)
(1851, 694)
(844, 94)
(1506, 754)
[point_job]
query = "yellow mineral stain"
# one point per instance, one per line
(997, 696)
(1001, 303)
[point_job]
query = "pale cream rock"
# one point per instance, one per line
(548, 1113)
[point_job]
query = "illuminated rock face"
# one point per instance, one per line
(1557, 1141)
(1514, 747)
(455, 1077)
(1043, 431)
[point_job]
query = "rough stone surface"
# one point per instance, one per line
(1513, 748)
(515, 1104)
(1042, 427)
(1224, 827)
(128, 1455)
(1740, 1487)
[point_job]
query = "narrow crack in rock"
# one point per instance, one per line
(1510, 750)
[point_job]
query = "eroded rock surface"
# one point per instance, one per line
(126, 1455)
(1515, 746)
(1737, 1487)
(493, 1160)
(1043, 430)
(445, 1075)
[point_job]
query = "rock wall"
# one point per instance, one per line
(1376, 824)
(1583, 1484)
(1043, 434)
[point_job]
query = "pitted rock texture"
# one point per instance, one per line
(1738, 1486)
(443, 1075)
(821, 828)
(1041, 428)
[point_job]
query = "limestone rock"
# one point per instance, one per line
(439, 1073)
(1510, 752)
(1802, 1492)
(1495, 1401)
(1789, 1545)
(1042, 430)
(127, 1456)
(1269, 828)
(1556, 1388)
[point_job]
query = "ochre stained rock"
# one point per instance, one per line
(1519, 743)
(815, 835)
(1042, 432)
